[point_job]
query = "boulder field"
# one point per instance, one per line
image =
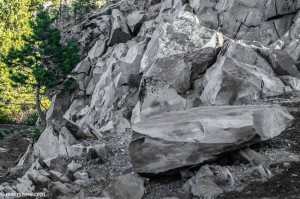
(164, 86)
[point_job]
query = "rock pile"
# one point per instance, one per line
(157, 68)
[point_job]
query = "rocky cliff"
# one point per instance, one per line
(166, 85)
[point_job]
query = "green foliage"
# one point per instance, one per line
(15, 102)
(31, 119)
(6, 120)
(5, 133)
(35, 134)
(43, 60)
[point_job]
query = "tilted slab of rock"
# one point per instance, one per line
(290, 42)
(282, 62)
(177, 139)
(156, 97)
(120, 32)
(230, 82)
(238, 49)
(135, 21)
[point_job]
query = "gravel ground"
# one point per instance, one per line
(282, 151)
(14, 147)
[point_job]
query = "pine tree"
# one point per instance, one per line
(42, 62)
(15, 103)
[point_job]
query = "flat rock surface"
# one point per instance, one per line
(183, 138)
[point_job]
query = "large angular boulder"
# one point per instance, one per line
(59, 105)
(282, 63)
(177, 139)
(230, 82)
(130, 65)
(184, 35)
(156, 97)
(238, 49)
(290, 42)
(47, 145)
(135, 21)
(179, 51)
(120, 32)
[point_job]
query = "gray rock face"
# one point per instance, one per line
(128, 186)
(230, 81)
(290, 42)
(89, 32)
(135, 20)
(47, 145)
(58, 163)
(182, 36)
(130, 65)
(59, 104)
(177, 139)
(156, 97)
(75, 130)
(73, 166)
(40, 178)
(58, 188)
(238, 49)
(258, 20)
(293, 82)
(97, 51)
(283, 63)
(120, 32)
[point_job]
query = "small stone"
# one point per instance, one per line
(127, 186)
(286, 165)
(73, 166)
(81, 176)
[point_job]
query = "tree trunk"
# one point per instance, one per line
(38, 106)
(60, 14)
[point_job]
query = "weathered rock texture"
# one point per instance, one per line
(144, 59)
(178, 139)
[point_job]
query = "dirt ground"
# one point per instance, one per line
(285, 182)
(12, 148)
